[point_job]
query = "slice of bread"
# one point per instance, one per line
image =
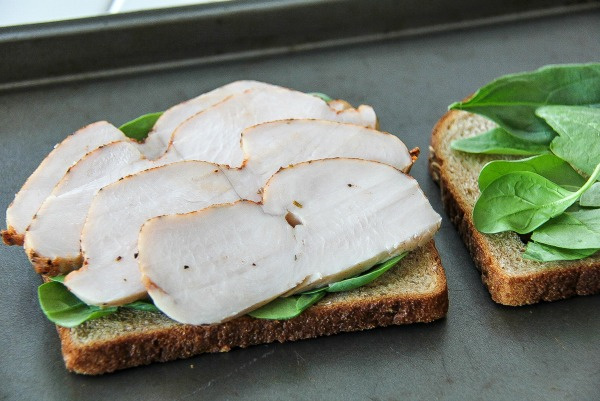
(413, 291)
(510, 279)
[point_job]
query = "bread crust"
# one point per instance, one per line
(175, 341)
(558, 281)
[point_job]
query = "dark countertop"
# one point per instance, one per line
(549, 351)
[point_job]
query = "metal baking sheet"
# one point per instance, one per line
(482, 350)
(165, 38)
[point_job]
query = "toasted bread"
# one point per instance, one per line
(510, 279)
(413, 291)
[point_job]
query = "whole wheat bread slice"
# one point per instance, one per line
(510, 279)
(413, 291)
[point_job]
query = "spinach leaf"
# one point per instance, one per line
(64, 308)
(511, 101)
(498, 141)
(58, 279)
(142, 305)
(547, 253)
(591, 197)
(548, 166)
(522, 202)
(576, 230)
(306, 300)
(292, 306)
(286, 308)
(578, 140)
(321, 96)
(364, 278)
(139, 128)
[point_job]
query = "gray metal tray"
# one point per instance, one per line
(482, 350)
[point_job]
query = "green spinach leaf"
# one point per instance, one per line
(142, 305)
(575, 230)
(284, 308)
(498, 141)
(511, 100)
(548, 253)
(547, 165)
(64, 309)
(364, 278)
(591, 197)
(289, 307)
(139, 128)
(578, 140)
(522, 202)
(306, 300)
(321, 96)
(58, 279)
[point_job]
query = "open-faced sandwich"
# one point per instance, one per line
(518, 164)
(247, 215)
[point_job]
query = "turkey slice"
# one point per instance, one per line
(217, 263)
(349, 214)
(159, 137)
(41, 182)
(110, 273)
(214, 135)
(65, 209)
(320, 222)
(268, 147)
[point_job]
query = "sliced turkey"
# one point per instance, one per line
(159, 137)
(266, 152)
(268, 147)
(65, 209)
(320, 221)
(349, 214)
(214, 135)
(235, 258)
(52, 254)
(110, 274)
(41, 182)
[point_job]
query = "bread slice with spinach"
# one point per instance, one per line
(511, 279)
(413, 291)
(336, 292)
(522, 189)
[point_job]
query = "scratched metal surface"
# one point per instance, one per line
(481, 350)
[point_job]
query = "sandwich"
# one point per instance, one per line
(517, 165)
(247, 215)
